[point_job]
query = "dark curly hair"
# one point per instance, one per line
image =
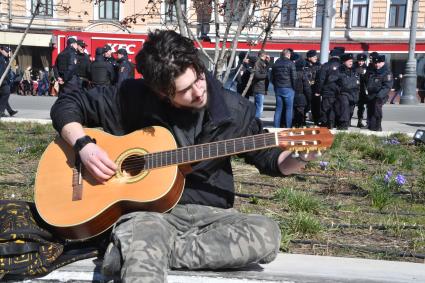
(165, 56)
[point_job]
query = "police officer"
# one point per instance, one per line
(348, 83)
(361, 69)
(125, 67)
(102, 72)
(65, 68)
(379, 84)
(83, 65)
(328, 88)
(5, 85)
(312, 68)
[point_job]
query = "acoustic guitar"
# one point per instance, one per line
(149, 175)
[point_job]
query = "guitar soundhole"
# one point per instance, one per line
(133, 164)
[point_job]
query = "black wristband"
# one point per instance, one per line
(82, 142)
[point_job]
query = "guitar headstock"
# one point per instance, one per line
(306, 139)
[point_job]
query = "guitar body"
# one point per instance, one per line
(76, 206)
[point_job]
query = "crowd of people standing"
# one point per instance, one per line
(327, 94)
(74, 70)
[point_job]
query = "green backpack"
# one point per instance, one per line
(26, 248)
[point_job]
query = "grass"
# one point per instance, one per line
(350, 190)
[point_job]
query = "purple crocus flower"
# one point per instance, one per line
(400, 180)
(323, 165)
(387, 177)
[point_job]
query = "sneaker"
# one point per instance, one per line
(360, 125)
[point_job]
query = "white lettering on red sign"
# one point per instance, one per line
(128, 47)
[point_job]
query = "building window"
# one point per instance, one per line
(289, 13)
(320, 12)
(170, 10)
(397, 13)
(45, 9)
(109, 9)
(360, 12)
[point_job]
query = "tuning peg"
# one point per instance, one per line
(306, 153)
(295, 154)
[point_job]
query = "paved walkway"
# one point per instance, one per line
(286, 268)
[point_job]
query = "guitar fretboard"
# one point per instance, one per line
(195, 153)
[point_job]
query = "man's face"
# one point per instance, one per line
(80, 49)
(4, 53)
(191, 91)
(74, 45)
(313, 59)
(119, 56)
(379, 65)
(349, 63)
(108, 54)
(361, 62)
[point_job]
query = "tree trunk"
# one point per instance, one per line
(180, 21)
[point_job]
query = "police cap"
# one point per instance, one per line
(340, 48)
(336, 53)
(71, 40)
(361, 57)
(5, 48)
(81, 43)
(373, 55)
(295, 56)
(378, 59)
(106, 48)
(311, 53)
(122, 51)
(346, 57)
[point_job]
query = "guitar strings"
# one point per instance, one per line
(161, 159)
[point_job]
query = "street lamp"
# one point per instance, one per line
(410, 77)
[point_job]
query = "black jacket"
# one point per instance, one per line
(125, 70)
(349, 83)
(66, 64)
(102, 72)
(227, 116)
(302, 89)
(3, 65)
(83, 65)
(284, 73)
(362, 72)
(379, 83)
(261, 78)
(328, 76)
(312, 71)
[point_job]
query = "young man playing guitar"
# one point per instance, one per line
(202, 231)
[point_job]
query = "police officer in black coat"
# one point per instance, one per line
(125, 67)
(65, 68)
(312, 69)
(83, 65)
(107, 54)
(5, 85)
(328, 88)
(302, 93)
(102, 72)
(379, 84)
(361, 69)
(348, 84)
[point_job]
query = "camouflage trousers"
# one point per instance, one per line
(190, 237)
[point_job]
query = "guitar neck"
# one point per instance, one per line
(196, 153)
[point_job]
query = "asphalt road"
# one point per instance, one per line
(397, 118)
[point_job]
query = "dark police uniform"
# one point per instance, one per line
(328, 88)
(102, 72)
(66, 68)
(312, 72)
(5, 86)
(125, 68)
(348, 83)
(361, 104)
(83, 69)
(379, 84)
